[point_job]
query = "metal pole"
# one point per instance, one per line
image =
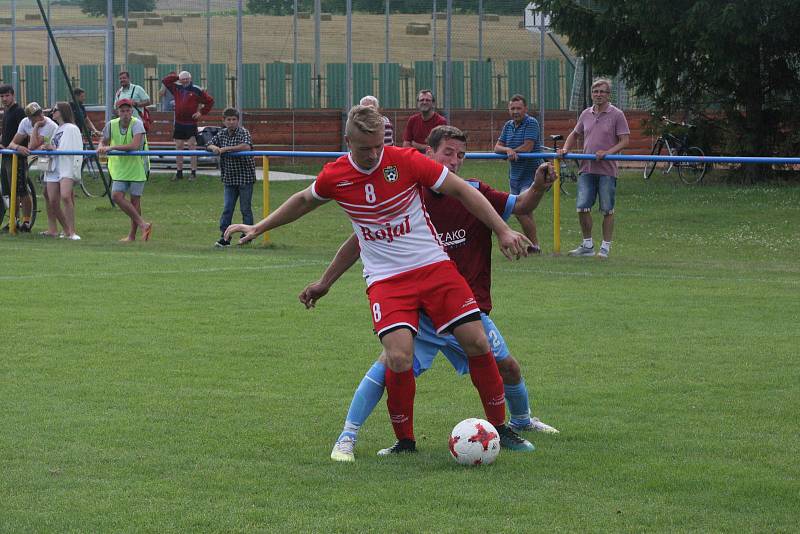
(239, 51)
(349, 88)
(126, 33)
(448, 70)
(384, 86)
(542, 30)
(51, 79)
(294, 56)
(14, 75)
(109, 59)
(208, 37)
(386, 50)
(479, 71)
(433, 88)
(317, 59)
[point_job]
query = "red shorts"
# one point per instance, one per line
(437, 289)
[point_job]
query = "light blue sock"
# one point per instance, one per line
(366, 397)
(519, 410)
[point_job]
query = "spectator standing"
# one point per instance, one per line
(63, 172)
(420, 124)
(34, 131)
(126, 133)
(388, 132)
(238, 173)
(167, 100)
(605, 131)
(191, 102)
(82, 119)
(134, 93)
(521, 134)
(13, 115)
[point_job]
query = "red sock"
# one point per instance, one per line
(400, 391)
(484, 374)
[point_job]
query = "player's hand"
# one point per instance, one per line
(196, 115)
(248, 230)
(23, 150)
(214, 148)
(545, 176)
(512, 155)
(560, 152)
(103, 150)
(312, 293)
(513, 244)
(600, 154)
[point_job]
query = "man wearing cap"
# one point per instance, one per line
(126, 133)
(33, 131)
(191, 101)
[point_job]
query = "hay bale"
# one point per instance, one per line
(303, 14)
(406, 72)
(439, 16)
(131, 24)
(418, 28)
(5, 21)
(33, 16)
(194, 15)
(172, 18)
(491, 17)
(153, 21)
(139, 14)
(148, 59)
(325, 16)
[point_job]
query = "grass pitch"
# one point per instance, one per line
(173, 387)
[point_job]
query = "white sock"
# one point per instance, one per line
(588, 243)
(606, 245)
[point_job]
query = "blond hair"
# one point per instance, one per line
(365, 119)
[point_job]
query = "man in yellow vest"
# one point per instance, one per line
(126, 133)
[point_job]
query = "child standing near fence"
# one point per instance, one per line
(238, 172)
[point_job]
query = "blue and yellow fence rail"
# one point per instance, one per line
(266, 154)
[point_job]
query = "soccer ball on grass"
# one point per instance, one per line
(474, 442)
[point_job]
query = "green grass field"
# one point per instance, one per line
(172, 387)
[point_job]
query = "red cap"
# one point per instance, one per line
(124, 102)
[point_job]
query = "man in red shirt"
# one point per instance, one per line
(469, 243)
(405, 265)
(191, 102)
(420, 124)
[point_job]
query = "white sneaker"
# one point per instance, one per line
(603, 254)
(73, 237)
(582, 251)
(535, 426)
(343, 450)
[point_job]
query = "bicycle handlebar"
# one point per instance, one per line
(667, 120)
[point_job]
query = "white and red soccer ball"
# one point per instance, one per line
(474, 442)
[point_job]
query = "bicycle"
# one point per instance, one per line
(689, 172)
(570, 168)
(5, 205)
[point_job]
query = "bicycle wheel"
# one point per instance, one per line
(570, 169)
(92, 181)
(692, 172)
(650, 166)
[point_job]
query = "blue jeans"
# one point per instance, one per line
(245, 195)
(590, 186)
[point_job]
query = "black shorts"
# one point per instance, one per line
(184, 131)
(5, 172)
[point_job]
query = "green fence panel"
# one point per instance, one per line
(62, 89)
(569, 79)
(34, 84)
(218, 84)
(276, 85)
(457, 84)
(362, 81)
(251, 88)
(552, 84)
(162, 69)
(7, 74)
(90, 82)
(389, 84)
(336, 85)
(137, 76)
(519, 79)
(423, 77)
(301, 86)
(480, 84)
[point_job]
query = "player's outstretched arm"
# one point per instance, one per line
(345, 257)
(295, 207)
(530, 198)
(512, 244)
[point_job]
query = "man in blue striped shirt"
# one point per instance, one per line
(521, 134)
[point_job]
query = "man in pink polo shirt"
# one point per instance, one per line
(605, 131)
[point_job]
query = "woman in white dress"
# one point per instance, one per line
(63, 172)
